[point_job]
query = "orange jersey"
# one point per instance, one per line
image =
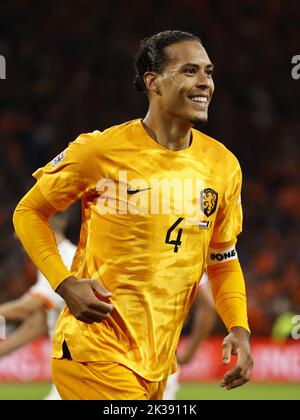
(146, 244)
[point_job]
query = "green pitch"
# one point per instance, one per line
(212, 391)
(30, 391)
(204, 391)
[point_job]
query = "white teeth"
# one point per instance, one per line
(202, 99)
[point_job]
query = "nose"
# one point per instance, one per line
(204, 80)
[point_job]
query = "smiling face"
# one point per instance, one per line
(185, 86)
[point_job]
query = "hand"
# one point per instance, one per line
(86, 299)
(237, 343)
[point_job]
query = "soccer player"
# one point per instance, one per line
(39, 308)
(142, 248)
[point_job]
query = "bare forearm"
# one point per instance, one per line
(12, 312)
(19, 309)
(33, 327)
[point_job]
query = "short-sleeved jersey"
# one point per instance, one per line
(42, 288)
(146, 244)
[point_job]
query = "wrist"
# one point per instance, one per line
(62, 286)
(240, 331)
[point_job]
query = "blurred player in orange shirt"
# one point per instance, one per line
(160, 204)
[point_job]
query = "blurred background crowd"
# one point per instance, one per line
(70, 70)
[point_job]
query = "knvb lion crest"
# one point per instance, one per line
(208, 201)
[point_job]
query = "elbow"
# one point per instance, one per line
(17, 216)
(33, 203)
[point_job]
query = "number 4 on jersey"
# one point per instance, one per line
(176, 241)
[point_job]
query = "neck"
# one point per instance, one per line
(170, 133)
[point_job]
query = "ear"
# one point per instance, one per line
(151, 80)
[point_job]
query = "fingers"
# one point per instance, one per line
(226, 352)
(231, 376)
(84, 304)
(103, 303)
(234, 380)
(100, 291)
(237, 383)
(238, 376)
(94, 312)
(90, 316)
(247, 371)
(101, 306)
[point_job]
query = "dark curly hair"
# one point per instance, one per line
(151, 55)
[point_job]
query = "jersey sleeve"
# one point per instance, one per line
(42, 288)
(71, 174)
(230, 216)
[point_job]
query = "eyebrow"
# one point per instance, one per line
(196, 66)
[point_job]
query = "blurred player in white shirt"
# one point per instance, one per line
(39, 308)
(203, 322)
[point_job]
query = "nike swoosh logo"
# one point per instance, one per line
(136, 191)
